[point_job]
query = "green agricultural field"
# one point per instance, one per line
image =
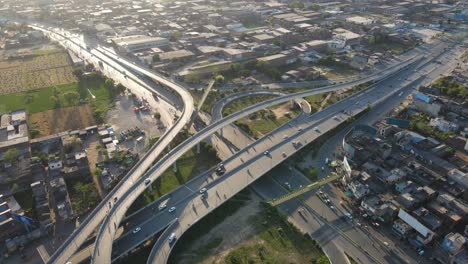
(44, 99)
(36, 100)
(45, 68)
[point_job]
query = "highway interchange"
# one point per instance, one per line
(242, 177)
(246, 161)
(102, 251)
(88, 226)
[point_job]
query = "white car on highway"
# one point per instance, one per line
(162, 207)
(171, 238)
(147, 181)
(172, 209)
(136, 230)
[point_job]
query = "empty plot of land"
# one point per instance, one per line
(62, 119)
(39, 70)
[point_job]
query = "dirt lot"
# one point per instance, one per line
(62, 119)
(282, 110)
(234, 230)
(122, 117)
(42, 69)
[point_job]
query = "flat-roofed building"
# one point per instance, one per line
(139, 42)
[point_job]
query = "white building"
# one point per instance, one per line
(458, 177)
(139, 42)
(443, 125)
(425, 234)
(359, 20)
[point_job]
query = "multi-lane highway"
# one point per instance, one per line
(88, 226)
(103, 250)
(193, 210)
(131, 190)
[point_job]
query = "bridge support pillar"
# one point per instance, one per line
(198, 148)
(174, 166)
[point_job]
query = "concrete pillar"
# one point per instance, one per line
(174, 166)
(198, 148)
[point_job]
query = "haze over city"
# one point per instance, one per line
(214, 131)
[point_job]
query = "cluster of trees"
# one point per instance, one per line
(209, 150)
(452, 88)
(156, 58)
(420, 124)
(87, 197)
(263, 114)
(263, 67)
(301, 5)
(377, 38)
(11, 155)
(327, 60)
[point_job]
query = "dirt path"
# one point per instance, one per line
(282, 110)
(93, 157)
(233, 230)
(322, 105)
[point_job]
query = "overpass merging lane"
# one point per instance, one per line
(102, 251)
(78, 242)
(195, 208)
(79, 236)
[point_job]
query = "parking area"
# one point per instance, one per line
(124, 118)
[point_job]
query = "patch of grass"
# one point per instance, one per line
(26, 201)
(315, 100)
(189, 165)
(261, 126)
(46, 51)
(48, 98)
(311, 173)
(104, 99)
(276, 241)
(38, 100)
(393, 47)
(83, 194)
(244, 102)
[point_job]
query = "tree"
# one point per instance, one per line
(176, 35)
(314, 7)
(296, 4)
(10, 155)
(157, 115)
(219, 79)
(71, 97)
(88, 196)
(78, 72)
(156, 58)
(322, 260)
(89, 67)
(120, 88)
(14, 187)
(109, 83)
